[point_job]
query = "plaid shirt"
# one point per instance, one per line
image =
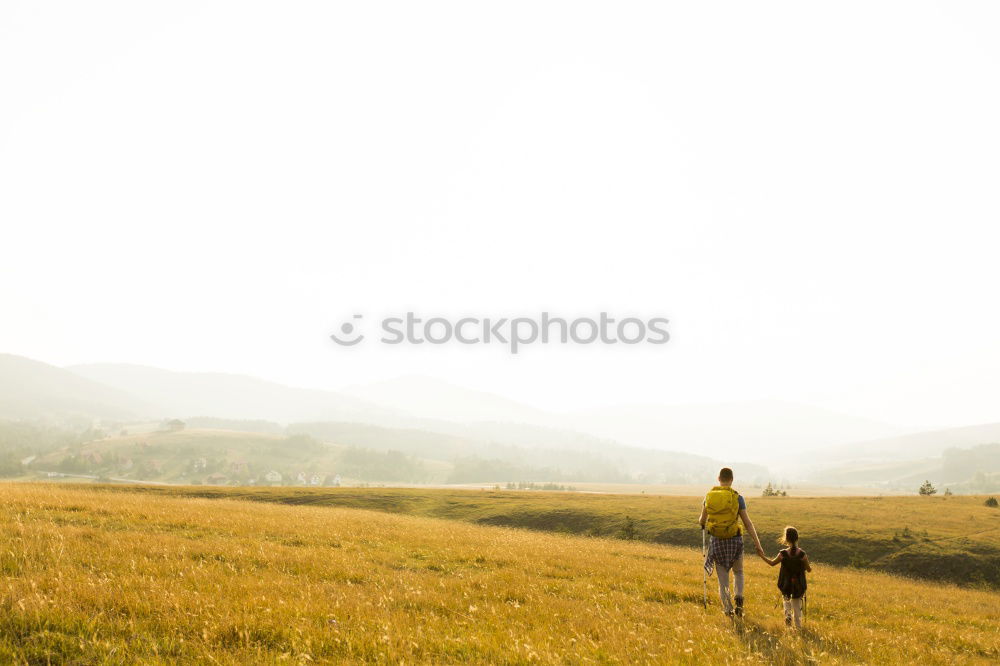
(724, 553)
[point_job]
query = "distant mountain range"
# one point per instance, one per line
(118, 394)
(967, 459)
(187, 394)
(34, 390)
(927, 444)
(777, 432)
(434, 399)
(730, 431)
(762, 430)
(415, 412)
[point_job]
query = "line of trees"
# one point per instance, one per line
(20, 440)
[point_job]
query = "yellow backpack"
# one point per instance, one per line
(723, 507)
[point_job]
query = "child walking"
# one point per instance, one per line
(792, 575)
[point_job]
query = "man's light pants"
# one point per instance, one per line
(727, 603)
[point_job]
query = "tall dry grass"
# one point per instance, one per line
(97, 577)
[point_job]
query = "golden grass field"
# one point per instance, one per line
(93, 575)
(949, 539)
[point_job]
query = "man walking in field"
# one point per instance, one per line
(719, 514)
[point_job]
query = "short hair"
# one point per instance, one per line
(725, 474)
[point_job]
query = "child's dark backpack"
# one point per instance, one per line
(792, 575)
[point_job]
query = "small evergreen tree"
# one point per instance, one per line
(628, 531)
(771, 491)
(992, 502)
(927, 489)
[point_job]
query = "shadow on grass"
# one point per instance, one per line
(804, 647)
(760, 641)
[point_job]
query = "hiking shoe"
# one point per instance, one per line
(739, 606)
(788, 621)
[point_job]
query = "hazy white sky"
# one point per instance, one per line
(807, 191)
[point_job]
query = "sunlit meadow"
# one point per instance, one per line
(91, 576)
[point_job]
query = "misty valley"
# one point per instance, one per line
(138, 424)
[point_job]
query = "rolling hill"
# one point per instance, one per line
(359, 453)
(439, 423)
(34, 390)
(475, 450)
(436, 400)
(187, 394)
(776, 433)
(923, 537)
(964, 459)
(227, 456)
(764, 431)
(926, 444)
